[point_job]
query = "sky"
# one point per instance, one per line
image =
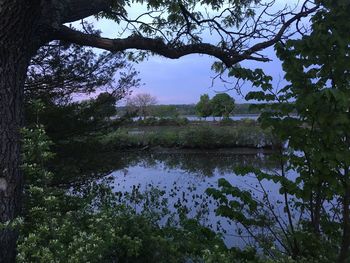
(182, 81)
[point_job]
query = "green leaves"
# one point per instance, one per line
(311, 117)
(234, 203)
(204, 107)
(222, 105)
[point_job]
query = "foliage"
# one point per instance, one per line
(93, 224)
(204, 106)
(60, 71)
(222, 105)
(61, 74)
(165, 111)
(203, 136)
(151, 121)
(313, 178)
(73, 119)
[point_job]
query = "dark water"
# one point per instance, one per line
(185, 175)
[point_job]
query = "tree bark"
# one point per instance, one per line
(12, 74)
(345, 244)
(16, 27)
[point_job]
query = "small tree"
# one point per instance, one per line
(141, 103)
(222, 105)
(203, 107)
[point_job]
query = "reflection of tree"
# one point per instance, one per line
(80, 162)
(207, 163)
(86, 163)
(200, 163)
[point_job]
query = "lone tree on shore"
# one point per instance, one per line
(203, 107)
(169, 28)
(222, 105)
(141, 104)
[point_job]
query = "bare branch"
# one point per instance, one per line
(278, 36)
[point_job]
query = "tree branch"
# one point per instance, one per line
(279, 35)
(229, 56)
(156, 46)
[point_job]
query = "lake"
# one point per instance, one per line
(237, 117)
(184, 175)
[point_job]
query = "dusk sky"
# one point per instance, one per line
(182, 81)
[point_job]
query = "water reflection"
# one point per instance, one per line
(185, 175)
(84, 164)
(199, 163)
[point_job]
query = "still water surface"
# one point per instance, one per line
(185, 175)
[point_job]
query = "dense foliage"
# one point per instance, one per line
(314, 164)
(204, 107)
(61, 72)
(62, 75)
(223, 105)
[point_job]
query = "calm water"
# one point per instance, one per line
(185, 175)
(237, 117)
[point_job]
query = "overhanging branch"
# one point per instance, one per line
(229, 56)
(156, 46)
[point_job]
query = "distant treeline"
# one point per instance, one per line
(188, 110)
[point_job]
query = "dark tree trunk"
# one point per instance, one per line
(13, 67)
(345, 244)
(16, 25)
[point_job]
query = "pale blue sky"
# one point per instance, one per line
(182, 81)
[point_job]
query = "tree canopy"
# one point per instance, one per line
(175, 29)
(60, 71)
(222, 105)
(204, 106)
(316, 198)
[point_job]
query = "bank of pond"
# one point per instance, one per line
(180, 133)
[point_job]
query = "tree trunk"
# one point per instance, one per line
(12, 75)
(16, 25)
(345, 244)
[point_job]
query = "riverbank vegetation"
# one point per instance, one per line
(224, 134)
(91, 222)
